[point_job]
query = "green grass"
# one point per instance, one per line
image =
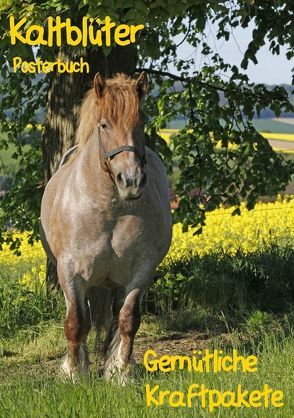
(32, 343)
(22, 306)
(31, 386)
(8, 164)
(234, 284)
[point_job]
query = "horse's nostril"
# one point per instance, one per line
(119, 179)
(125, 182)
(129, 182)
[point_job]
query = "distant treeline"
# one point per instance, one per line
(264, 114)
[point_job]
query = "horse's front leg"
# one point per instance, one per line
(119, 347)
(76, 328)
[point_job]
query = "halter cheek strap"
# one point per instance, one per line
(113, 153)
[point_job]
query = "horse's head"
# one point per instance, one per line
(120, 132)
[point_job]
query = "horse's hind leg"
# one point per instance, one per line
(119, 343)
(76, 328)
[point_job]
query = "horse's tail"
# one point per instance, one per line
(100, 304)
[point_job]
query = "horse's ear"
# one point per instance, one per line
(99, 85)
(142, 85)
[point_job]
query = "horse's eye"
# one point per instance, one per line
(104, 123)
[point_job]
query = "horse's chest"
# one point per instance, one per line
(117, 251)
(127, 236)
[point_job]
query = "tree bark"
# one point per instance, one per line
(65, 95)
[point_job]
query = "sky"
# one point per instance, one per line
(271, 69)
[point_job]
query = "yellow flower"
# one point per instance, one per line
(253, 230)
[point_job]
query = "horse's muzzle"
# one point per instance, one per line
(130, 186)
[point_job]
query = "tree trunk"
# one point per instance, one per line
(65, 95)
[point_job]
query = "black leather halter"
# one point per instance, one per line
(110, 154)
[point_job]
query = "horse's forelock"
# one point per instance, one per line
(119, 104)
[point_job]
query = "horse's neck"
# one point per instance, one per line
(95, 178)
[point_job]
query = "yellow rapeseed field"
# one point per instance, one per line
(167, 134)
(268, 223)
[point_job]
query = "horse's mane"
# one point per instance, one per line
(119, 104)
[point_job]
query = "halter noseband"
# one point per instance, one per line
(110, 154)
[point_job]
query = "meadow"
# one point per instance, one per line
(230, 287)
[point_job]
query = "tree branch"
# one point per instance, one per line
(185, 37)
(178, 78)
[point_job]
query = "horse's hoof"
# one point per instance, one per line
(69, 376)
(73, 374)
(119, 376)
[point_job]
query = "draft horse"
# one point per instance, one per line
(106, 222)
